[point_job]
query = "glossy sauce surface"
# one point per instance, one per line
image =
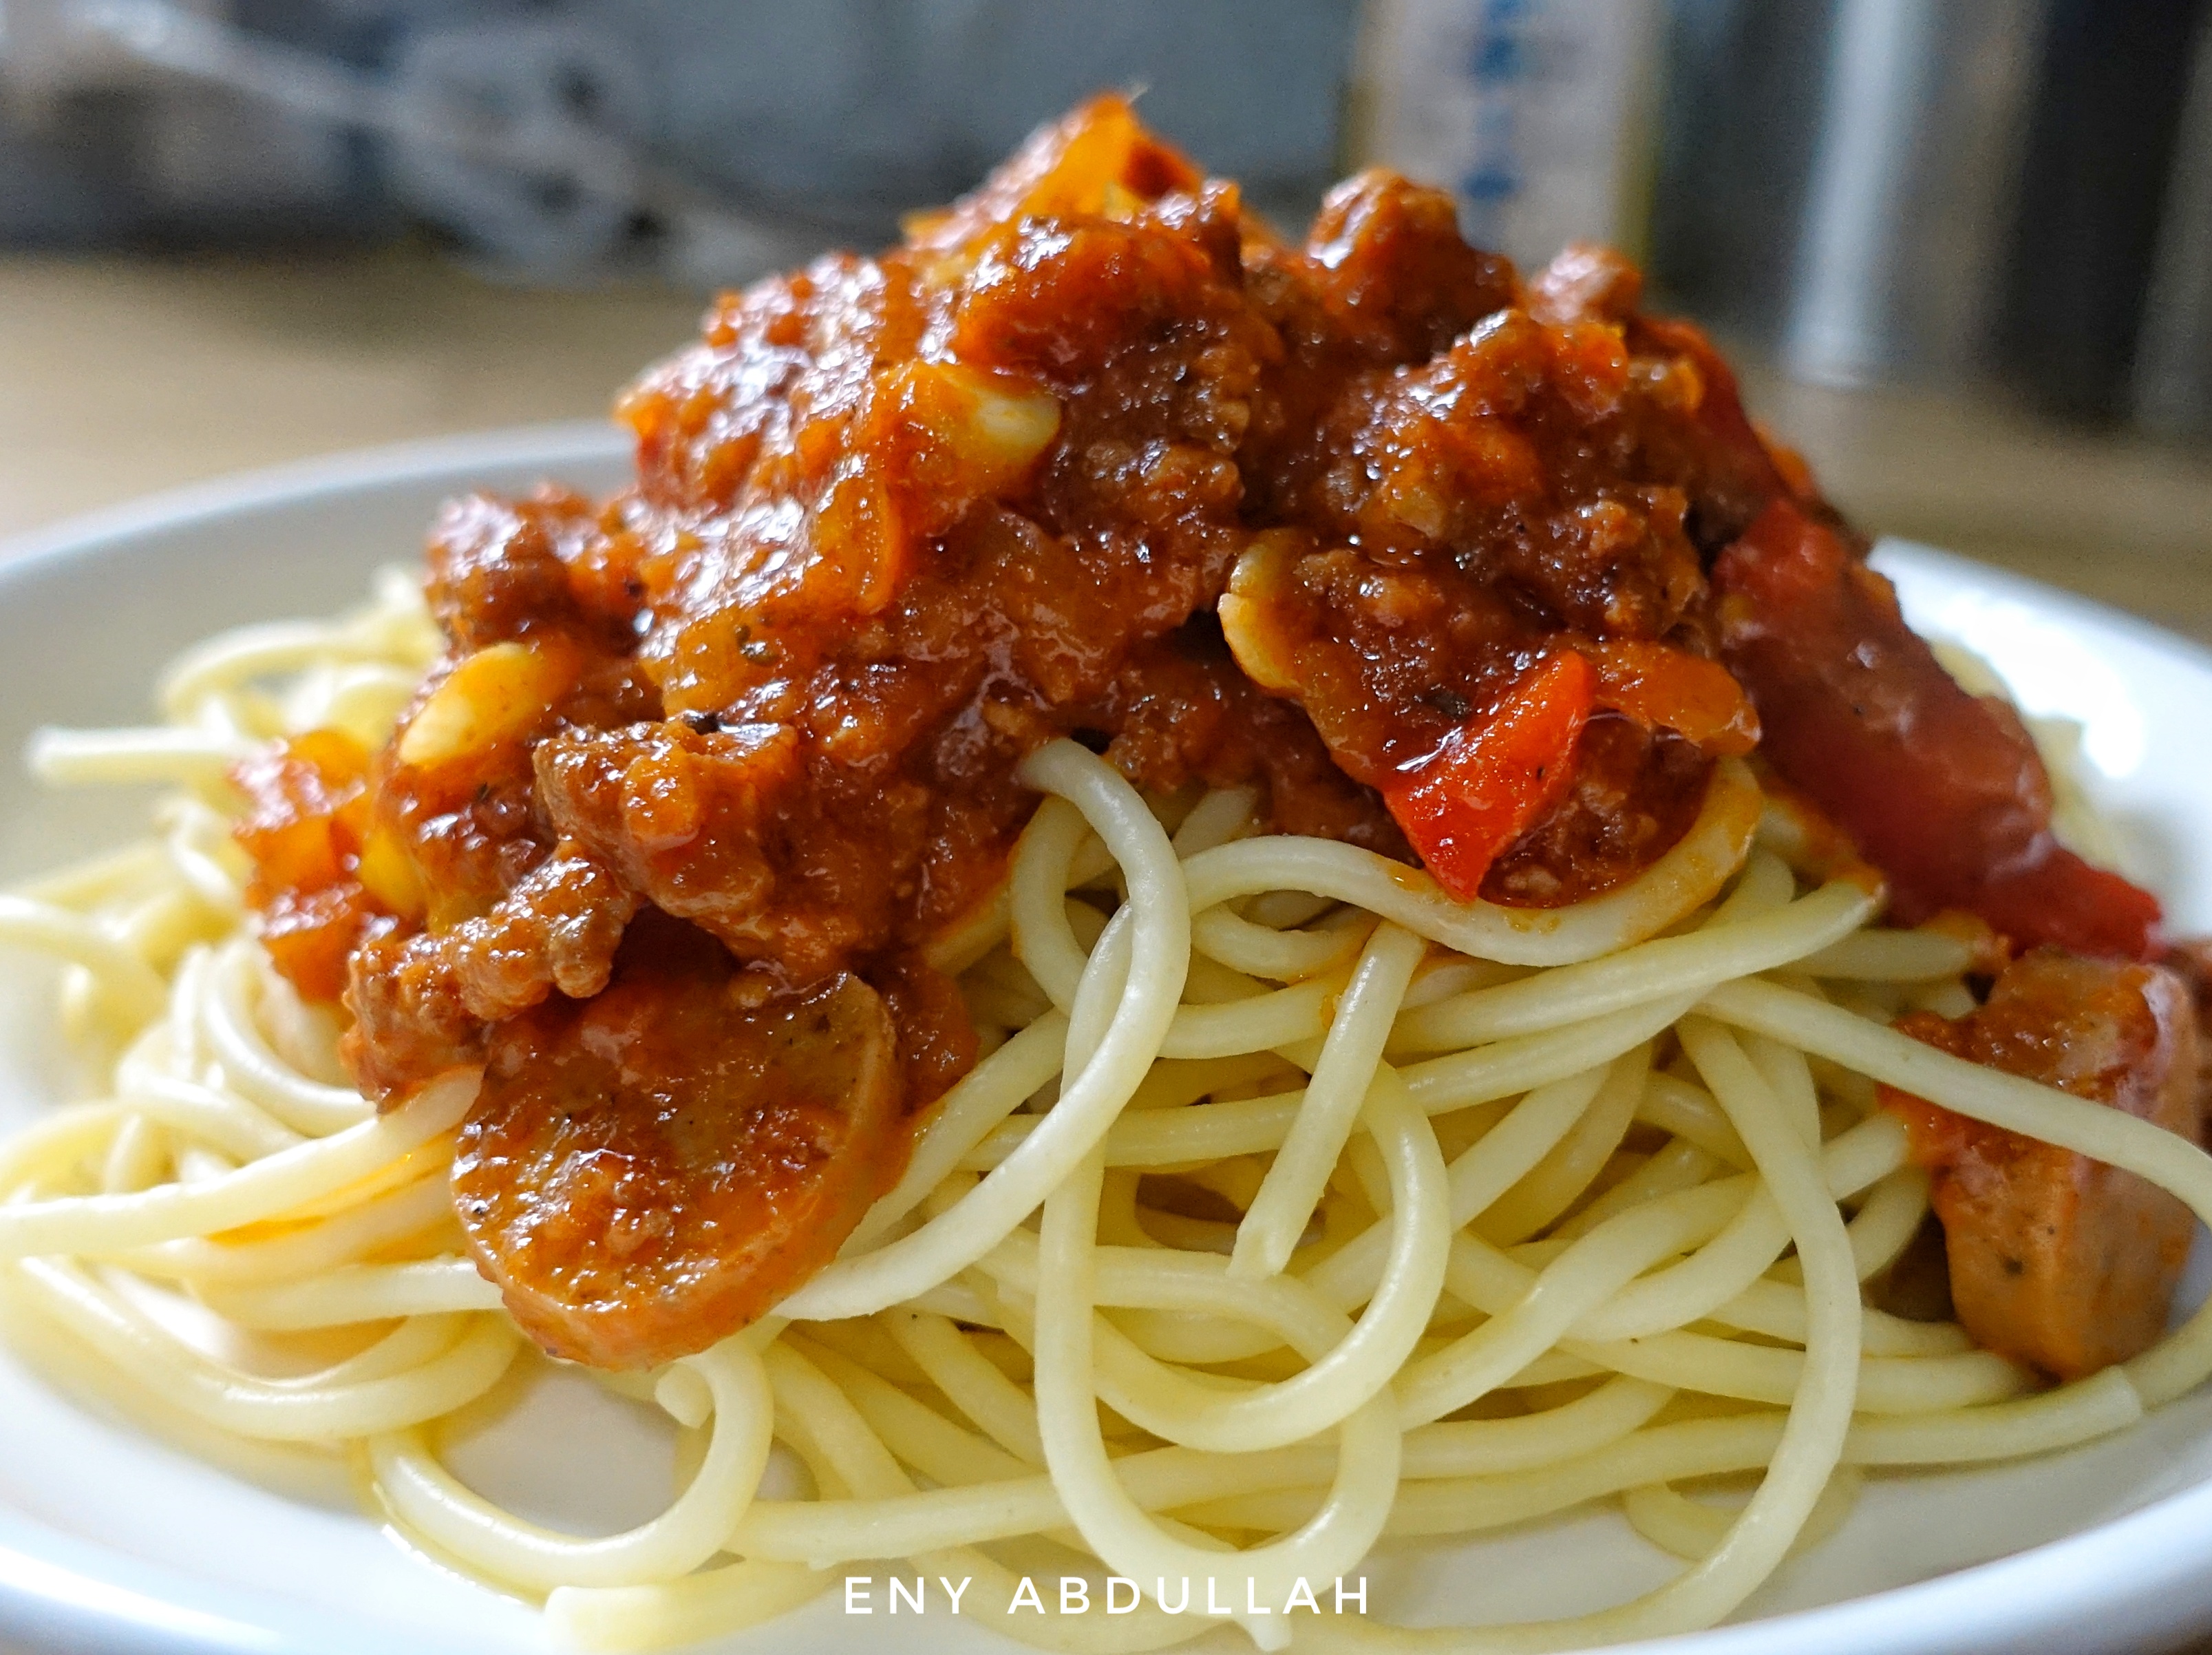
(898, 522)
(1419, 550)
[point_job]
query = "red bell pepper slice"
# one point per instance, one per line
(1495, 778)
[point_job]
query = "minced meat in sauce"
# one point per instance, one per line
(1422, 551)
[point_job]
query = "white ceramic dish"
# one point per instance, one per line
(113, 1541)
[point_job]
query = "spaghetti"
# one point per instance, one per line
(1293, 1206)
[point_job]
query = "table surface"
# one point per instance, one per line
(119, 376)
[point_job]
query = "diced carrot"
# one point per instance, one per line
(1664, 688)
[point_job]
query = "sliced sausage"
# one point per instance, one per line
(2056, 1259)
(648, 1172)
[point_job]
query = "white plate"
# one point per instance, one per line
(113, 1541)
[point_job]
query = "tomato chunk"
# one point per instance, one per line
(648, 1172)
(1942, 790)
(306, 815)
(1493, 780)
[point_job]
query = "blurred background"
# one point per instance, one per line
(1963, 246)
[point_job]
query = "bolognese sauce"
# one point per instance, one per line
(1469, 569)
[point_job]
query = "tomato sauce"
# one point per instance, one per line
(1419, 548)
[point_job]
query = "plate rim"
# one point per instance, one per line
(2134, 1579)
(552, 442)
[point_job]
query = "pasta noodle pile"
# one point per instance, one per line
(1293, 1207)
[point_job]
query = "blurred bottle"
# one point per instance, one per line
(1914, 172)
(2100, 146)
(1837, 181)
(2172, 388)
(1942, 191)
(1536, 114)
